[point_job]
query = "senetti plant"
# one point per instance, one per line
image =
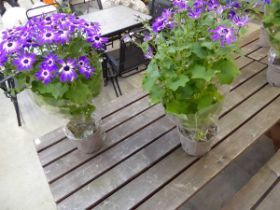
(56, 56)
(191, 48)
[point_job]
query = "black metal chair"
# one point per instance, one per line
(7, 84)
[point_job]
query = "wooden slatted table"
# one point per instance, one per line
(141, 164)
(262, 191)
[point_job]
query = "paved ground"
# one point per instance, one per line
(23, 185)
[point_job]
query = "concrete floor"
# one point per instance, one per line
(23, 185)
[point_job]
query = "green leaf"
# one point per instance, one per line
(156, 94)
(228, 71)
(152, 75)
(200, 72)
(199, 51)
(175, 83)
(56, 90)
(79, 93)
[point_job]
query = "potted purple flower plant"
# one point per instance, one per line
(191, 47)
(57, 58)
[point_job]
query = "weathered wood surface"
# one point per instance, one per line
(141, 163)
(254, 191)
(271, 201)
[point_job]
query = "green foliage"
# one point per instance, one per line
(188, 69)
(72, 98)
(271, 22)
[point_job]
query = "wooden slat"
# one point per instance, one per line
(116, 105)
(93, 168)
(105, 184)
(259, 54)
(250, 47)
(258, 185)
(249, 38)
(112, 137)
(158, 176)
(190, 181)
(244, 90)
(49, 139)
(125, 114)
(53, 153)
(247, 72)
(272, 200)
(264, 60)
(243, 61)
(64, 147)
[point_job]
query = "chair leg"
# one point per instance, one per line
(15, 102)
(115, 89)
(118, 85)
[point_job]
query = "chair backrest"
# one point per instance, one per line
(157, 6)
(41, 9)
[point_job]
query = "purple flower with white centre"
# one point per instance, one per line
(47, 37)
(45, 75)
(87, 71)
(25, 61)
(83, 61)
(149, 54)
(224, 34)
(97, 41)
(62, 36)
(92, 28)
(240, 21)
(195, 13)
(67, 71)
(50, 62)
(180, 4)
(147, 37)
(10, 46)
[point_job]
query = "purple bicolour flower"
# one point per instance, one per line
(240, 21)
(67, 71)
(62, 36)
(126, 38)
(10, 46)
(45, 75)
(92, 28)
(47, 37)
(147, 37)
(223, 34)
(149, 54)
(83, 61)
(163, 21)
(50, 62)
(3, 60)
(87, 71)
(231, 14)
(180, 4)
(234, 4)
(195, 13)
(213, 5)
(25, 61)
(97, 41)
